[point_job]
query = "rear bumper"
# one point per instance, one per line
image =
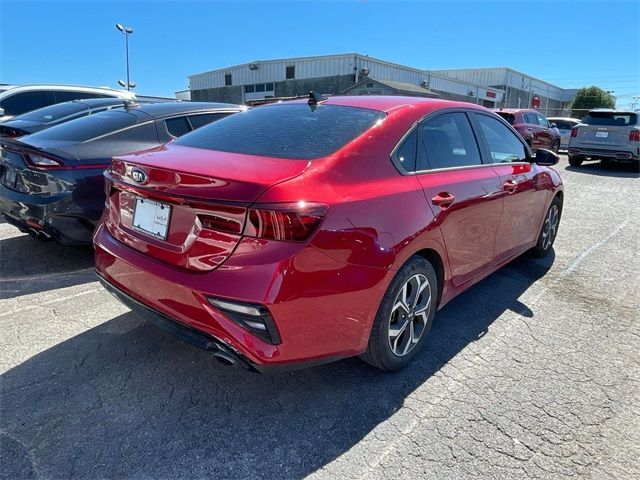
(59, 216)
(601, 153)
(323, 309)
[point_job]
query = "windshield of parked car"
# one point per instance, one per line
(509, 117)
(610, 119)
(53, 112)
(294, 131)
(87, 128)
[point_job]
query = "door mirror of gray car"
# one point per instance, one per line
(546, 157)
(552, 125)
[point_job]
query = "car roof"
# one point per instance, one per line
(514, 110)
(564, 118)
(46, 87)
(385, 103)
(165, 109)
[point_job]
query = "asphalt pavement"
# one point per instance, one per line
(533, 373)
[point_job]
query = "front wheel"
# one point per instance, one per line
(549, 229)
(404, 317)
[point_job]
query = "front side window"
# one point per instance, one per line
(291, 131)
(503, 144)
(447, 141)
(542, 121)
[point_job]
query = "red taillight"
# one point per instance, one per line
(574, 132)
(220, 218)
(634, 136)
(43, 162)
(289, 221)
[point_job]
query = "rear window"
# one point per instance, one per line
(285, 131)
(610, 119)
(53, 113)
(564, 124)
(86, 128)
(509, 117)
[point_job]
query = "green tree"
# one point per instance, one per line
(591, 97)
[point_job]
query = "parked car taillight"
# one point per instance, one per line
(574, 132)
(290, 221)
(634, 136)
(43, 162)
(221, 218)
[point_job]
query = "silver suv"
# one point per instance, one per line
(605, 135)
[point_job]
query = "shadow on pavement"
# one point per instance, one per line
(126, 400)
(608, 169)
(30, 266)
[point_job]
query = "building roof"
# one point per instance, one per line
(399, 87)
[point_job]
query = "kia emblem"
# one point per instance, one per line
(139, 176)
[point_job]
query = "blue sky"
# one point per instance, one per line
(572, 44)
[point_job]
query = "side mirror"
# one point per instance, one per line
(545, 157)
(552, 125)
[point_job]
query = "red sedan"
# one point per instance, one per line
(299, 233)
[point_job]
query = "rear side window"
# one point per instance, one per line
(509, 117)
(503, 144)
(610, 119)
(177, 126)
(25, 102)
(405, 154)
(54, 112)
(447, 141)
(198, 121)
(293, 131)
(542, 121)
(87, 128)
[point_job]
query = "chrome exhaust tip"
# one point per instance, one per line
(225, 359)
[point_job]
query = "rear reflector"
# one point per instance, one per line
(285, 221)
(574, 132)
(254, 318)
(634, 136)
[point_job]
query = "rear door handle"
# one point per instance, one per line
(443, 199)
(510, 186)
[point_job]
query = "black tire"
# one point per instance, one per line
(575, 161)
(556, 146)
(379, 351)
(549, 229)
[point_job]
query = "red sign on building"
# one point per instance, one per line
(535, 102)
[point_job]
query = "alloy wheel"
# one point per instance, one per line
(409, 315)
(550, 227)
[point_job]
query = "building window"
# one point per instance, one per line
(227, 79)
(260, 87)
(369, 85)
(249, 88)
(269, 87)
(291, 72)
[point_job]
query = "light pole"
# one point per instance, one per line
(126, 31)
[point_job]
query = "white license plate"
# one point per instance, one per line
(152, 217)
(602, 134)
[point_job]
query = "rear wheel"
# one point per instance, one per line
(404, 317)
(549, 229)
(575, 161)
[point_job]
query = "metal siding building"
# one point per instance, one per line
(339, 74)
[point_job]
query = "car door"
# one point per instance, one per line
(546, 135)
(521, 186)
(533, 128)
(464, 195)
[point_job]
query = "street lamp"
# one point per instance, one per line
(126, 31)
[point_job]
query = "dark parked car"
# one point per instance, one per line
(57, 114)
(51, 182)
(536, 130)
(294, 234)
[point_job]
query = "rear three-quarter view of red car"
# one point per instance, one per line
(299, 233)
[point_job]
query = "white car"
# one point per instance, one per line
(564, 125)
(25, 98)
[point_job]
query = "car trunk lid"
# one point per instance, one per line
(187, 206)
